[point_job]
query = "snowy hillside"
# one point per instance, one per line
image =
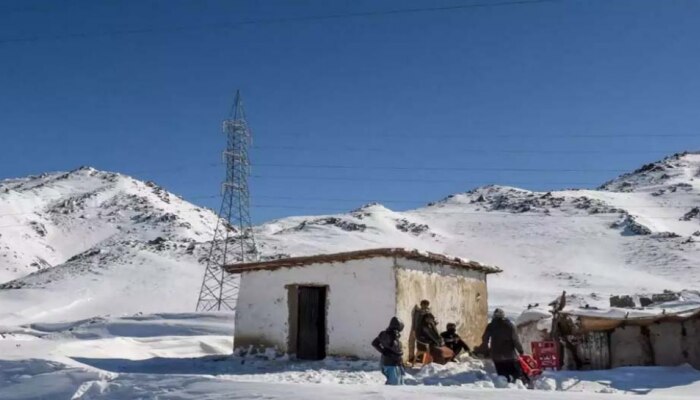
(86, 243)
(47, 220)
(95, 238)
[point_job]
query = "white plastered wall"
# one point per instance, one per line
(456, 295)
(531, 332)
(360, 301)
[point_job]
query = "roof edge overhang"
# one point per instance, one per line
(409, 254)
(592, 323)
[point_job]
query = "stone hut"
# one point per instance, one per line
(664, 334)
(335, 304)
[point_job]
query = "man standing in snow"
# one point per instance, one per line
(416, 318)
(389, 345)
(503, 343)
(453, 341)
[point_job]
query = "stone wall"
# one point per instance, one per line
(667, 343)
(456, 295)
(692, 342)
(630, 346)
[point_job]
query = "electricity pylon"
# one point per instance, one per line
(233, 240)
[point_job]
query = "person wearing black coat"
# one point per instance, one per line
(453, 341)
(416, 316)
(503, 343)
(388, 344)
(427, 332)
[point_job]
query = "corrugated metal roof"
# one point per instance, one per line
(409, 254)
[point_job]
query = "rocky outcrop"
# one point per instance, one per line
(694, 213)
(629, 226)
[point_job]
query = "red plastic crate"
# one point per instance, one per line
(546, 354)
(529, 365)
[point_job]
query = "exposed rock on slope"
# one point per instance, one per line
(50, 218)
(87, 242)
(676, 172)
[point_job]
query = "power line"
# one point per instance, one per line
(421, 202)
(380, 167)
(520, 135)
(494, 213)
(430, 167)
(474, 151)
(53, 6)
(367, 200)
(387, 167)
(178, 168)
(271, 21)
(441, 168)
(414, 180)
(486, 213)
(362, 201)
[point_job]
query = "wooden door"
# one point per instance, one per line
(594, 350)
(311, 335)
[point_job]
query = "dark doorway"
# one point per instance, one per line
(311, 333)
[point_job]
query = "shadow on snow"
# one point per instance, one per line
(223, 365)
(637, 380)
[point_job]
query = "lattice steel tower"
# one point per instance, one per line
(233, 237)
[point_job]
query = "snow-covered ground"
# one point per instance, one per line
(188, 356)
(99, 247)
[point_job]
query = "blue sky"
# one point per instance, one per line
(403, 108)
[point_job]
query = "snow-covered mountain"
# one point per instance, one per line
(49, 219)
(88, 242)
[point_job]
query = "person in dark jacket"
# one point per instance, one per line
(389, 345)
(503, 343)
(453, 341)
(427, 332)
(416, 316)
